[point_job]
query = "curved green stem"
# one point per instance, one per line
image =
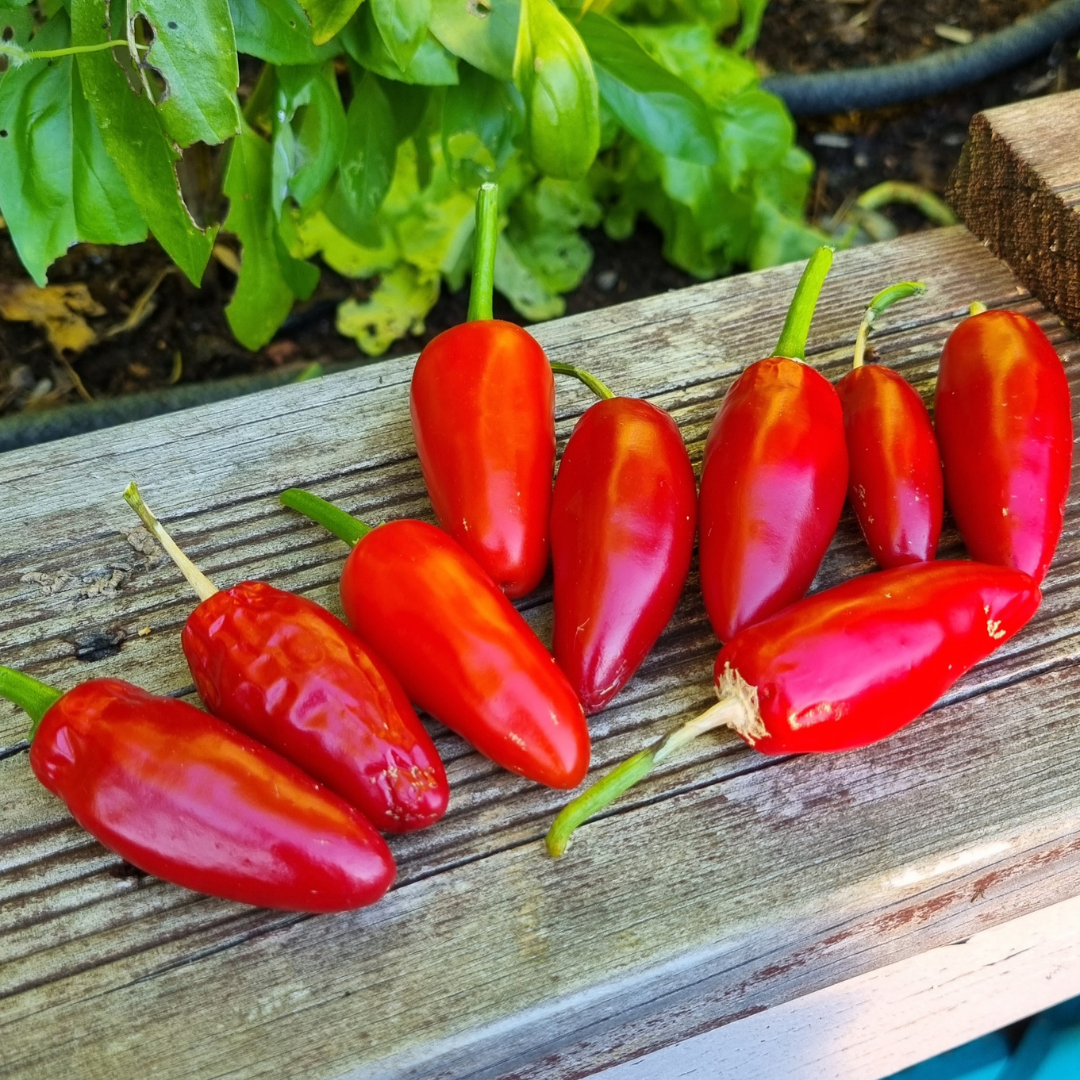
(725, 713)
(33, 697)
(487, 236)
(591, 381)
(792, 343)
(20, 55)
(977, 307)
(881, 303)
(344, 526)
(903, 191)
(202, 585)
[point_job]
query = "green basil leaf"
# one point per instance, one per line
(269, 277)
(553, 71)
(277, 31)
(521, 286)
(781, 239)
(367, 164)
(396, 308)
(752, 12)
(408, 103)
(756, 131)
(140, 149)
(483, 33)
(309, 133)
(652, 104)
(194, 52)
(431, 64)
(480, 118)
(403, 25)
(328, 16)
(57, 185)
(691, 52)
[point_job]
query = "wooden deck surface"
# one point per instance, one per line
(728, 882)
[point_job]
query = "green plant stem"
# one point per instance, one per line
(591, 381)
(609, 787)
(487, 236)
(792, 343)
(33, 697)
(202, 585)
(21, 55)
(902, 191)
(344, 526)
(881, 303)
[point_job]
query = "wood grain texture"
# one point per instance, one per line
(1017, 187)
(725, 884)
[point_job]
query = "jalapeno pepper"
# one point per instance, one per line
(285, 671)
(1004, 424)
(622, 533)
(894, 485)
(842, 668)
(184, 796)
(461, 650)
(774, 477)
(483, 415)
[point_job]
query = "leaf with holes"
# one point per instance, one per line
(482, 32)
(403, 26)
(277, 31)
(329, 16)
(270, 278)
(194, 52)
(138, 146)
(480, 118)
(57, 184)
(396, 308)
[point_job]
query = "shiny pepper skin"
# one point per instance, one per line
(185, 797)
(463, 653)
(622, 534)
(772, 488)
(851, 665)
(288, 673)
(1004, 425)
(483, 414)
(894, 483)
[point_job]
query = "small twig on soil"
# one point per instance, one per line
(142, 307)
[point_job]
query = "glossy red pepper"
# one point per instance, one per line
(483, 415)
(1004, 424)
(894, 480)
(622, 534)
(461, 650)
(288, 673)
(774, 477)
(184, 796)
(844, 667)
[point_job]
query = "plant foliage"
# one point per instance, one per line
(366, 126)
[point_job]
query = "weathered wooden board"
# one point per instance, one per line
(1018, 188)
(726, 883)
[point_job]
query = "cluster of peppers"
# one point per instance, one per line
(311, 746)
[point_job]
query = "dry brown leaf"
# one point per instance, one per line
(58, 309)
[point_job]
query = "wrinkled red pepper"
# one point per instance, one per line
(483, 415)
(774, 477)
(461, 650)
(1004, 424)
(894, 482)
(182, 795)
(622, 533)
(285, 671)
(844, 667)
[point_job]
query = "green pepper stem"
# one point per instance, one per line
(881, 303)
(483, 269)
(344, 526)
(33, 697)
(729, 711)
(591, 381)
(202, 585)
(977, 307)
(792, 343)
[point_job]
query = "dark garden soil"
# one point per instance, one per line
(185, 338)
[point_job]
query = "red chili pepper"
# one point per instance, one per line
(622, 534)
(774, 477)
(1004, 424)
(459, 647)
(842, 668)
(483, 414)
(894, 484)
(285, 671)
(183, 796)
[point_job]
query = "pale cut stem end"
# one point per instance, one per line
(977, 307)
(881, 303)
(203, 586)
